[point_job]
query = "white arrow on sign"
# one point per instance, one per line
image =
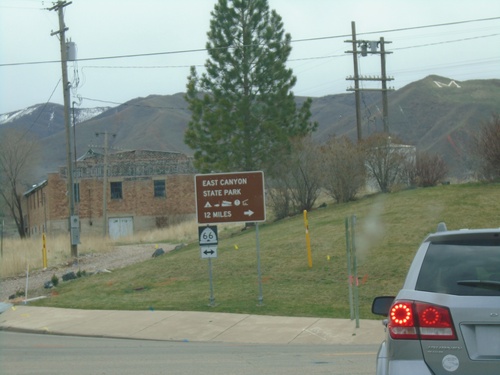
(248, 213)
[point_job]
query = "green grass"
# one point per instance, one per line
(389, 230)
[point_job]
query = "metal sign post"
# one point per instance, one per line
(355, 269)
(1, 238)
(352, 268)
(349, 267)
(259, 274)
(208, 248)
(211, 300)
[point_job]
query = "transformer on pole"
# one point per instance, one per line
(367, 47)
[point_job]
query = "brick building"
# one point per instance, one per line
(144, 190)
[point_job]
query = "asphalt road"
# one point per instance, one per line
(22, 353)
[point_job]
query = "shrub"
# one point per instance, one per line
(344, 173)
(487, 149)
(55, 280)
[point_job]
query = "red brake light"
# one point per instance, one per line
(417, 320)
(401, 313)
(435, 322)
(401, 322)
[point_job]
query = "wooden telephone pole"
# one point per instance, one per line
(368, 47)
(73, 222)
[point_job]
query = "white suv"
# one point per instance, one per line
(446, 319)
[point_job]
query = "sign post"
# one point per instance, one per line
(208, 247)
(259, 273)
(229, 198)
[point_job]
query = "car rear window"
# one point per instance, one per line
(464, 268)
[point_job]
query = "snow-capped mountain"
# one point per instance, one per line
(12, 116)
(50, 112)
(85, 114)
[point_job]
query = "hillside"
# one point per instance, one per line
(389, 229)
(436, 114)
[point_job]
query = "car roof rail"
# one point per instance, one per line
(442, 227)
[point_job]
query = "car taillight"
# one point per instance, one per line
(401, 321)
(413, 320)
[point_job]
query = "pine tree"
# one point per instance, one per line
(243, 109)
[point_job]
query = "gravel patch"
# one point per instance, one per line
(119, 257)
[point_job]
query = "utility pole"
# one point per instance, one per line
(356, 80)
(372, 45)
(73, 222)
(1, 238)
(105, 184)
(385, 105)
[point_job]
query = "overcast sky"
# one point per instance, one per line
(172, 33)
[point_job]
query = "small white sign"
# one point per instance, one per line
(209, 251)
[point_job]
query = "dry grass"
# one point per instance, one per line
(179, 233)
(185, 232)
(19, 254)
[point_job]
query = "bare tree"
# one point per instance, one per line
(295, 178)
(279, 198)
(344, 173)
(17, 153)
(385, 160)
(487, 149)
(430, 169)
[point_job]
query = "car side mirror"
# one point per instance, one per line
(382, 304)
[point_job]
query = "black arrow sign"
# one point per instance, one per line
(211, 252)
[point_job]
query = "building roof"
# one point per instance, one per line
(132, 163)
(35, 188)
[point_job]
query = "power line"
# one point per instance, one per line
(394, 30)
(41, 111)
(446, 42)
(140, 66)
(293, 41)
(398, 48)
(128, 104)
(109, 57)
(289, 60)
(428, 26)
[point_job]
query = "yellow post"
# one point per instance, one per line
(44, 251)
(308, 241)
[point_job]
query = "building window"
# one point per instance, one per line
(159, 186)
(116, 190)
(76, 192)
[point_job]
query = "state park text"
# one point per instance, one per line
(213, 185)
(223, 182)
(230, 197)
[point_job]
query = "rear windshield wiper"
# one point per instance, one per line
(484, 284)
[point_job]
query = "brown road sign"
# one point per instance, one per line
(230, 197)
